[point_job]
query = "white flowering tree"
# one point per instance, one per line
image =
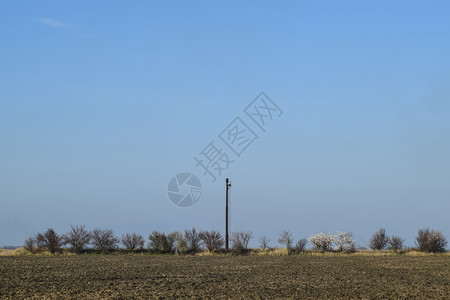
(322, 241)
(342, 241)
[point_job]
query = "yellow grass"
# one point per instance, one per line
(406, 252)
(203, 253)
(274, 251)
(14, 252)
(283, 252)
(22, 252)
(271, 252)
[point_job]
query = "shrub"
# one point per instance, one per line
(301, 245)
(213, 240)
(104, 240)
(240, 240)
(246, 237)
(287, 240)
(180, 245)
(50, 240)
(158, 241)
(133, 241)
(430, 240)
(171, 240)
(379, 240)
(264, 242)
(396, 243)
(236, 242)
(29, 244)
(78, 237)
(193, 239)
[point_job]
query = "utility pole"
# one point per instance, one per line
(228, 185)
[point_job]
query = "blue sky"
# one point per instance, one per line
(102, 103)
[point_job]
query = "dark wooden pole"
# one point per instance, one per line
(226, 214)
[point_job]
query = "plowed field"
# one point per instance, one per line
(224, 277)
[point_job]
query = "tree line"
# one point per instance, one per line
(81, 240)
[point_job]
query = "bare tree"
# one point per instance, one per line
(50, 240)
(431, 240)
(379, 240)
(287, 240)
(132, 241)
(78, 237)
(396, 243)
(213, 240)
(246, 237)
(161, 242)
(241, 239)
(158, 241)
(264, 242)
(301, 245)
(104, 240)
(171, 241)
(29, 244)
(236, 242)
(193, 239)
(179, 244)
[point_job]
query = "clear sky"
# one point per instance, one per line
(101, 103)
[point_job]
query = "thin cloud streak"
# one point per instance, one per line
(52, 23)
